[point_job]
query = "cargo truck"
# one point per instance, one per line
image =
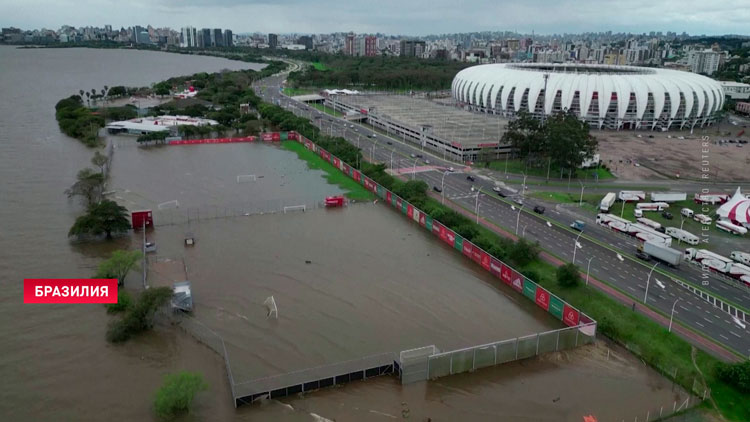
(711, 198)
(607, 202)
(719, 264)
(682, 235)
(665, 254)
(632, 195)
(730, 227)
(741, 257)
(668, 196)
(652, 206)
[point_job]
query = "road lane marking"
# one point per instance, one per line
(723, 336)
(735, 334)
(699, 324)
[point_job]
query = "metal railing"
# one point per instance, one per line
(425, 366)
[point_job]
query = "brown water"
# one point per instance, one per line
(371, 285)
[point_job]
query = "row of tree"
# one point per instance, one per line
(77, 121)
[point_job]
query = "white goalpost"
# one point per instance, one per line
(244, 178)
(271, 306)
(295, 208)
(168, 204)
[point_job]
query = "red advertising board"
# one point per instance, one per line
(542, 298)
(399, 204)
(422, 219)
(266, 137)
(495, 266)
(476, 255)
(467, 248)
(448, 236)
(293, 136)
(436, 227)
(276, 136)
(486, 260)
(516, 281)
(506, 274)
(388, 197)
(570, 315)
(356, 175)
(336, 162)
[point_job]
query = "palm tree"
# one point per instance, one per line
(80, 91)
(88, 95)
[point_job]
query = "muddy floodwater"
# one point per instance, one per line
(375, 282)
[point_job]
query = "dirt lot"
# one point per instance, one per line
(666, 156)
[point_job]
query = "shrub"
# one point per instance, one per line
(567, 275)
(139, 317)
(736, 375)
(177, 393)
(123, 302)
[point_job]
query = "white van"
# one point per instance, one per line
(638, 212)
(702, 218)
(687, 212)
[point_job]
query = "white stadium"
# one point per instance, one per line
(611, 97)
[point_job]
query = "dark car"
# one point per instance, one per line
(419, 155)
(667, 215)
(470, 177)
(539, 209)
(437, 189)
(661, 229)
(642, 255)
(390, 143)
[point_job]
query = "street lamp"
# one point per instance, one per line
(588, 267)
(476, 206)
(518, 218)
(442, 187)
(392, 158)
(576, 246)
(580, 201)
(414, 169)
(645, 297)
(523, 187)
(671, 316)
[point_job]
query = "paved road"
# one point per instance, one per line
(627, 274)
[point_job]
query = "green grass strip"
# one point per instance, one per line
(333, 175)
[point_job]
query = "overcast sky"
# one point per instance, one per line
(406, 17)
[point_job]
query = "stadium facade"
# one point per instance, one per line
(607, 97)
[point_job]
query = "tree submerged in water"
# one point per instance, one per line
(177, 393)
(106, 217)
(139, 316)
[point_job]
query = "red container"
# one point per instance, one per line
(140, 217)
(334, 201)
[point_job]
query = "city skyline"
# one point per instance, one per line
(417, 18)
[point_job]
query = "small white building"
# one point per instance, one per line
(736, 90)
(139, 126)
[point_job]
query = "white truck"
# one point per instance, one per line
(651, 206)
(711, 198)
(730, 227)
(668, 196)
(651, 223)
(665, 254)
(741, 257)
(607, 202)
(683, 235)
(687, 212)
(640, 231)
(702, 218)
(719, 264)
(632, 195)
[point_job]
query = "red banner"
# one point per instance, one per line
(388, 197)
(516, 281)
(400, 205)
(436, 228)
(542, 298)
(266, 137)
(506, 274)
(410, 211)
(467, 248)
(214, 141)
(422, 219)
(336, 162)
(276, 136)
(570, 315)
(448, 236)
(485, 261)
(496, 266)
(292, 136)
(357, 175)
(70, 290)
(476, 255)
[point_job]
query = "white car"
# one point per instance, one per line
(351, 126)
(451, 169)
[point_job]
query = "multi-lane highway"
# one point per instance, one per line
(607, 256)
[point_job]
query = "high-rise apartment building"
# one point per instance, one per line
(189, 37)
(228, 40)
(371, 46)
(204, 38)
(412, 48)
(273, 40)
(217, 39)
(704, 61)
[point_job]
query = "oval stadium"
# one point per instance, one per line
(607, 97)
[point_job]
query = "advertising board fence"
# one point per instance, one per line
(543, 298)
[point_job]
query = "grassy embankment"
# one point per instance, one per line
(334, 176)
(291, 91)
(327, 110)
(516, 166)
(319, 66)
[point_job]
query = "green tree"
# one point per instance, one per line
(177, 393)
(140, 316)
(523, 252)
(124, 301)
(162, 88)
(118, 265)
(106, 217)
(569, 141)
(115, 91)
(89, 185)
(568, 275)
(100, 160)
(736, 375)
(526, 135)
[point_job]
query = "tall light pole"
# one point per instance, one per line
(576, 246)
(523, 188)
(518, 218)
(588, 267)
(476, 206)
(414, 169)
(442, 187)
(580, 201)
(392, 158)
(544, 102)
(645, 297)
(671, 316)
